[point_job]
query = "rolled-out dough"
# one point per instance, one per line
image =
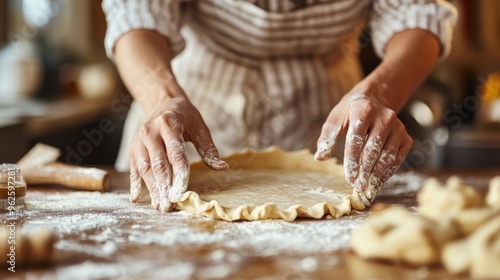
(270, 184)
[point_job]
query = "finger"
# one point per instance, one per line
(326, 141)
(161, 170)
(207, 150)
(176, 153)
(135, 181)
(362, 197)
(145, 172)
(403, 151)
(376, 141)
(389, 161)
(377, 184)
(355, 141)
(371, 155)
(371, 152)
(162, 174)
(388, 174)
(385, 161)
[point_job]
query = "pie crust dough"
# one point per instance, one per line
(270, 184)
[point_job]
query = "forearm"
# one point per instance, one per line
(143, 60)
(410, 57)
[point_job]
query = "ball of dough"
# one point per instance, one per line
(397, 235)
(493, 197)
(479, 253)
(435, 201)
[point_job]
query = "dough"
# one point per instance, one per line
(270, 184)
(454, 227)
(435, 201)
(469, 220)
(397, 235)
(493, 197)
(479, 253)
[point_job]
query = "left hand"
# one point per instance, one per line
(376, 142)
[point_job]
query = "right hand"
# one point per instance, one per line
(158, 153)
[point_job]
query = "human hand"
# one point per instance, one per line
(158, 153)
(376, 142)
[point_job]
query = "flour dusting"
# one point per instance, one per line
(101, 227)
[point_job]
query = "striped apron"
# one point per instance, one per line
(262, 75)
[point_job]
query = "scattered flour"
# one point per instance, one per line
(101, 226)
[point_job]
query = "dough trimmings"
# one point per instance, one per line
(270, 184)
(436, 201)
(493, 197)
(479, 253)
(453, 225)
(397, 235)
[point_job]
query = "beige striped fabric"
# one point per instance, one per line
(267, 72)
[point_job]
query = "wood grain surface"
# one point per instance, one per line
(103, 236)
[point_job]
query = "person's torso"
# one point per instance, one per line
(262, 29)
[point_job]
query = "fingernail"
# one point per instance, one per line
(369, 194)
(323, 151)
(155, 204)
(166, 206)
(365, 200)
(155, 201)
(321, 155)
(219, 164)
(135, 191)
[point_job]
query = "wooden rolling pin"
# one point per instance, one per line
(39, 166)
(91, 179)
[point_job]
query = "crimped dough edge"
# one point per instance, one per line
(276, 158)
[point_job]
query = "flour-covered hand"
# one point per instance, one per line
(376, 142)
(158, 153)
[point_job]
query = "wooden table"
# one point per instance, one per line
(103, 236)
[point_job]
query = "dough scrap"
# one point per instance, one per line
(270, 184)
(397, 235)
(435, 201)
(493, 197)
(469, 220)
(479, 253)
(453, 225)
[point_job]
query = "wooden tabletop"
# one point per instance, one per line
(103, 236)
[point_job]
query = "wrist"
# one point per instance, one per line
(158, 90)
(368, 88)
(379, 86)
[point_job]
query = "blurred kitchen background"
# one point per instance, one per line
(58, 87)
